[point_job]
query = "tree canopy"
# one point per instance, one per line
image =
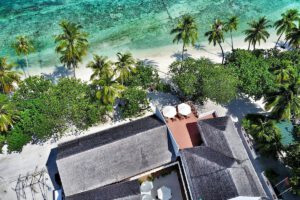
(255, 78)
(200, 79)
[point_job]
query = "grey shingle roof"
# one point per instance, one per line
(220, 134)
(126, 190)
(104, 137)
(217, 170)
(113, 155)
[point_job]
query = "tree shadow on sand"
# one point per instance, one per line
(59, 72)
(242, 106)
(148, 62)
(21, 66)
(178, 56)
(203, 48)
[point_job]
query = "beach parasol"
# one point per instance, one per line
(169, 111)
(184, 109)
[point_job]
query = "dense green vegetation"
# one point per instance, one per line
(47, 110)
(265, 133)
(199, 80)
(134, 102)
(253, 72)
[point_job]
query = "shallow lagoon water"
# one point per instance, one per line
(119, 25)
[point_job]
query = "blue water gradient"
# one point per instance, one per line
(115, 25)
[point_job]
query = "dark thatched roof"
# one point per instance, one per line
(126, 190)
(113, 155)
(217, 170)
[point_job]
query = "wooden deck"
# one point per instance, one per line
(185, 131)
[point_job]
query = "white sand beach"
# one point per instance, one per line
(162, 57)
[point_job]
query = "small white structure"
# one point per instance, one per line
(169, 111)
(147, 197)
(164, 193)
(146, 188)
(57, 194)
(184, 109)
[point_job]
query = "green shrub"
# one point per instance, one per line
(135, 102)
(48, 110)
(16, 139)
(252, 71)
(146, 76)
(200, 79)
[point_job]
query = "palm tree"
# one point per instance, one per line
(265, 133)
(286, 23)
(216, 35)
(108, 89)
(72, 44)
(23, 46)
(125, 66)
(231, 25)
(8, 78)
(8, 113)
(257, 32)
(284, 103)
(283, 72)
(293, 37)
(101, 67)
(186, 31)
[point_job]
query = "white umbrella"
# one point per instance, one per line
(146, 187)
(169, 111)
(164, 193)
(184, 109)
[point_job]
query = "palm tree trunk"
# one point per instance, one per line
(27, 65)
(74, 72)
(231, 40)
(249, 46)
(223, 56)
(285, 43)
(254, 45)
(182, 51)
(278, 40)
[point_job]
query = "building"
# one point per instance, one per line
(103, 165)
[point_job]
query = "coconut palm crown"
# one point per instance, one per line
(108, 89)
(286, 23)
(257, 32)
(72, 44)
(8, 113)
(125, 66)
(293, 36)
(8, 78)
(231, 25)
(284, 103)
(101, 66)
(186, 31)
(23, 46)
(216, 35)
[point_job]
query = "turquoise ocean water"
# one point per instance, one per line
(118, 25)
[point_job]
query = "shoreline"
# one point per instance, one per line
(161, 57)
